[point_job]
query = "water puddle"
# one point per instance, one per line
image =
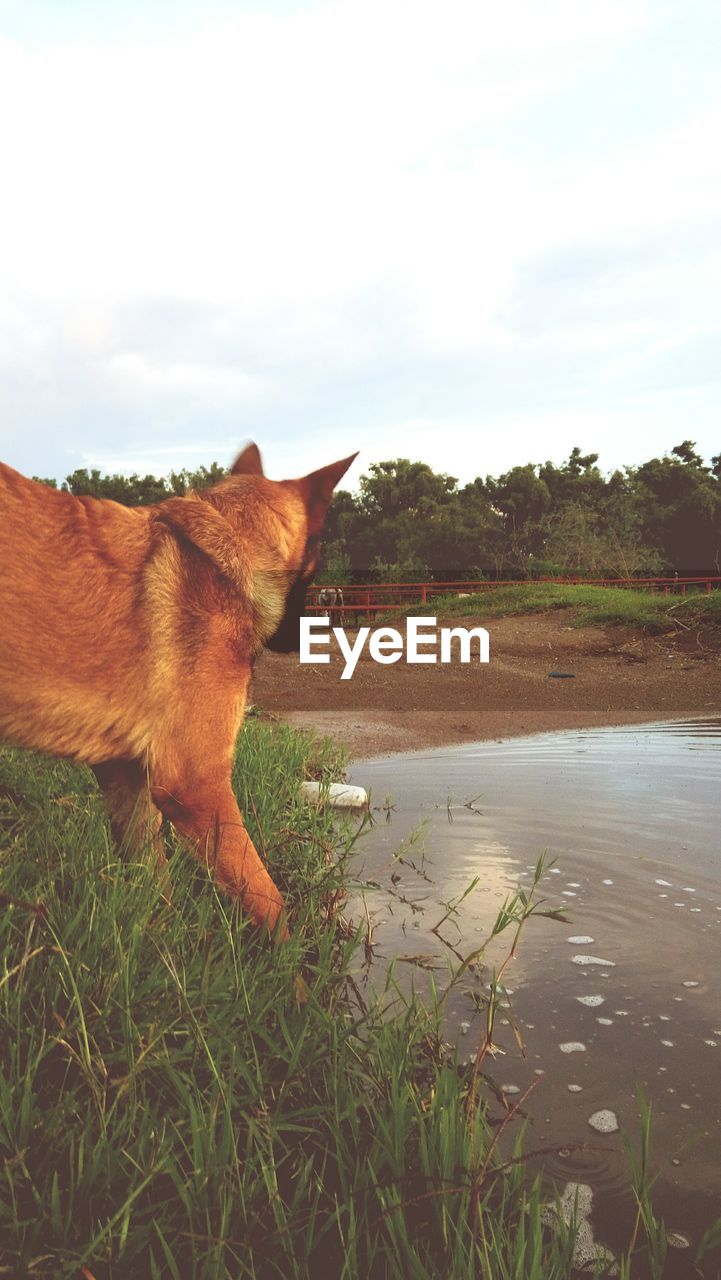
(627, 990)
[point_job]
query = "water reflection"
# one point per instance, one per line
(631, 816)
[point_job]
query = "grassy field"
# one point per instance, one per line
(651, 610)
(170, 1105)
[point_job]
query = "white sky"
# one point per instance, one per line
(471, 233)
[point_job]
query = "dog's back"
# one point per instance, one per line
(71, 615)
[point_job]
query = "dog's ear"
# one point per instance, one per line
(248, 463)
(200, 523)
(317, 488)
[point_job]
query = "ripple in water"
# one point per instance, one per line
(625, 812)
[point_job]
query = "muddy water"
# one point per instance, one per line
(631, 816)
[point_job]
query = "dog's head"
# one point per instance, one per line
(262, 536)
(301, 506)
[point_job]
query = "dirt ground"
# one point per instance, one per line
(618, 676)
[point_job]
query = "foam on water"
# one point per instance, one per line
(604, 1121)
(575, 1206)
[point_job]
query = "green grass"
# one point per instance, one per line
(650, 610)
(168, 1106)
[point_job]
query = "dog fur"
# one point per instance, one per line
(128, 636)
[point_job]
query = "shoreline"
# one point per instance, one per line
(370, 735)
(620, 675)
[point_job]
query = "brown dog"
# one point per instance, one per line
(128, 636)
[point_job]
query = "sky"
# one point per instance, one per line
(458, 231)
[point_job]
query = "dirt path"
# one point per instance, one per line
(618, 677)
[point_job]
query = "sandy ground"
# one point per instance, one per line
(618, 677)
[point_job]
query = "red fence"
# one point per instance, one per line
(380, 597)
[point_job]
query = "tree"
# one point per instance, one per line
(686, 451)
(413, 522)
(399, 486)
(202, 478)
(522, 499)
(679, 503)
(140, 491)
(131, 491)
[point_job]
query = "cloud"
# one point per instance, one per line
(357, 215)
(275, 157)
(135, 375)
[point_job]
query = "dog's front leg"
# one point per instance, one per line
(206, 813)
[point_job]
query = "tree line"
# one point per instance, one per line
(409, 522)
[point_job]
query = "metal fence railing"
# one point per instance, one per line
(370, 599)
